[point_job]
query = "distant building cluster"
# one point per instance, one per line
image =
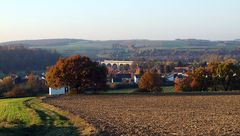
(120, 72)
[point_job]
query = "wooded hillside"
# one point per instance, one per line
(18, 58)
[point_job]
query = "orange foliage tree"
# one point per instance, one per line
(183, 85)
(150, 82)
(78, 73)
(195, 84)
(178, 85)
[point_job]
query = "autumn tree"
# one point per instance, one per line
(183, 85)
(213, 75)
(139, 71)
(6, 84)
(78, 73)
(178, 85)
(150, 82)
(217, 74)
(193, 81)
(227, 74)
(195, 85)
(31, 87)
(200, 79)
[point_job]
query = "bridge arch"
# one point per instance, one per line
(115, 64)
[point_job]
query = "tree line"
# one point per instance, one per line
(217, 76)
(187, 55)
(32, 85)
(19, 58)
(80, 74)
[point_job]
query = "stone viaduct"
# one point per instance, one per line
(115, 64)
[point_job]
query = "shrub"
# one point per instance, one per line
(17, 91)
(32, 87)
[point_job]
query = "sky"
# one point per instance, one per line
(119, 19)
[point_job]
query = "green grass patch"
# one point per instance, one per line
(27, 116)
(168, 89)
(120, 91)
(13, 112)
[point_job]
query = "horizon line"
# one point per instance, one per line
(34, 39)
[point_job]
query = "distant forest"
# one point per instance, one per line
(19, 58)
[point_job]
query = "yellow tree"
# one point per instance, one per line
(150, 82)
(213, 75)
(200, 79)
(227, 74)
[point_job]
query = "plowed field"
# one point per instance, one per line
(156, 115)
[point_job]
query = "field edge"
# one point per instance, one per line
(84, 128)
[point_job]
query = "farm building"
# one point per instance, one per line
(59, 91)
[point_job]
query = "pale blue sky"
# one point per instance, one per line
(119, 19)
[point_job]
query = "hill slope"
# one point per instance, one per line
(106, 49)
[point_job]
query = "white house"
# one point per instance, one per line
(62, 90)
(137, 79)
(119, 78)
(170, 78)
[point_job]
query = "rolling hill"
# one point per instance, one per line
(102, 49)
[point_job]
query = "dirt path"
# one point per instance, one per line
(51, 122)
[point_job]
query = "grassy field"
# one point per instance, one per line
(28, 116)
(93, 48)
(13, 113)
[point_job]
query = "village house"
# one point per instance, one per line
(136, 78)
(181, 70)
(121, 78)
(168, 80)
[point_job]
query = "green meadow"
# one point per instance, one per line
(26, 116)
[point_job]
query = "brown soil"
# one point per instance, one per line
(156, 115)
